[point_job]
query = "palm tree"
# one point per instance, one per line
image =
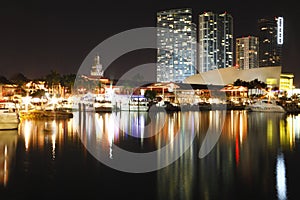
(53, 78)
(68, 81)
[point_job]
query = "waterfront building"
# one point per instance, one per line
(7, 91)
(96, 69)
(247, 52)
(225, 76)
(95, 82)
(176, 45)
(215, 41)
(270, 33)
(34, 86)
(286, 82)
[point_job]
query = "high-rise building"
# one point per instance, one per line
(247, 49)
(270, 33)
(176, 45)
(215, 41)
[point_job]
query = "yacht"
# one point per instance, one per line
(265, 106)
(9, 116)
(164, 106)
(134, 103)
(103, 106)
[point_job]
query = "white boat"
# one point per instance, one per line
(134, 103)
(9, 116)
(83, 103)
(265, 106)
(103, 106)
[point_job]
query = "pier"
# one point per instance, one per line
(39, 114)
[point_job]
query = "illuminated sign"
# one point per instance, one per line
(280, 30)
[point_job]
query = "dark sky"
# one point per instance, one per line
(39, 36)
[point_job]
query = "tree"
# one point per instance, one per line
(4, 80)
(68, 81)
(239, 82)
(38, 93)
(19, 79)
(150, 94)
(53, 78)
(254, 84)
(258, 84)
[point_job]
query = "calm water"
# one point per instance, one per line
(256, 156)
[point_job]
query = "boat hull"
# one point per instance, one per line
(134, 108)
(265, 110)
(9, 125)
(103, 109)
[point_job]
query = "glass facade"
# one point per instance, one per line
(247, 52)
(215, 41)
(269, 48)
(176, 45)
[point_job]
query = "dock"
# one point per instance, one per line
(40, 114)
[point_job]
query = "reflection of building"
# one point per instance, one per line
(247, 52)
(270, 35)
(269, 75)
(176, 45)
(8, 145)
(182, 173)
(215, 41)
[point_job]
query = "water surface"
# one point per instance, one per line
(255, 157)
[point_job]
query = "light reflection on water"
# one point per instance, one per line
(244, 162)
(280, 177)
(8, 145)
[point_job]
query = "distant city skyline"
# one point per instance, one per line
(37, 37)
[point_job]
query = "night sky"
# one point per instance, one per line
(39, 36)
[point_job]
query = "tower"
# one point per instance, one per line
(176, 45)
(96, 69)
(247, 49)
(215, 41)
(270, 33)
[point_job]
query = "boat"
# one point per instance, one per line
(265, 106)
(9, 116)
(133, 103)
(164, 106)
(103, 106)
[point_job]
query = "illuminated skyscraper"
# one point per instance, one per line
(270, 33)
(215, 41)
(176, 45)
(247, 52)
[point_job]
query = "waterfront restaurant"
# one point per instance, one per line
(183, 93)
